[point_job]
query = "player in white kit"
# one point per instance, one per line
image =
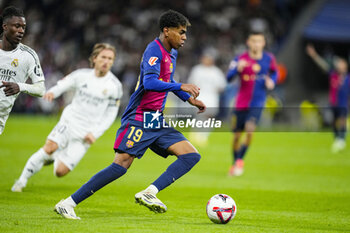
(18, 62)
(211, 81)
(93, 110)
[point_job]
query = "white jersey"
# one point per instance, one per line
(17, 66)
(95, 103)
(211, 81)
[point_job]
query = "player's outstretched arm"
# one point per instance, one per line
(49, 96)
(35, 89)
(69, 82)
(199, 104)
(236, 66)
(311, 51)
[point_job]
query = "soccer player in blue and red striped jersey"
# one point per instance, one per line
(133, 138)
(339, 92)
(257, 71)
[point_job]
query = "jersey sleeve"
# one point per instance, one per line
(232, 69)
(151, 60)
(67, 83)
(151, 65)
(152, 83)
(34, 69)
(184, 96)
(273, 70)
(118, 90)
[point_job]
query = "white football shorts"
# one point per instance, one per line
(71, 149)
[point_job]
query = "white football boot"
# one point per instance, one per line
(338, 145)
(17, 187)
(66, 211)
(150, 201)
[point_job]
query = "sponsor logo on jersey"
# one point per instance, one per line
(7, 74)
(14, 63)
(129, 144)
(84, 86)
(152, 61)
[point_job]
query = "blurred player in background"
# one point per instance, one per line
(133, 139)
(211, 81)
(257, 71)
(339, 92)
(93, 110)
(18, 62)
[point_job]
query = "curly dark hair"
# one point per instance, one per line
(11, 11)
(172, 18)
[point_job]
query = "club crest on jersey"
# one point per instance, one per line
(256, 68)
(14, 63)
(129, 144)
(152, 61)
(104, 92)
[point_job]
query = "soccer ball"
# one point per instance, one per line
(221, 208)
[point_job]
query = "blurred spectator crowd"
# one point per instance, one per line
(63, 33)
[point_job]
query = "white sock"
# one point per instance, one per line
(33, 165)
(69, 201)
(152, 189)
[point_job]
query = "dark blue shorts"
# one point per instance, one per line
(240, 117)
(134, 139)
(339, 112)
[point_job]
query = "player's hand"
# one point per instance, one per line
(89, 138)
(269, 83)
(241, 64)
(49, 96)
(199, 104)
(191, 89)
(10, 88)
(310, 50)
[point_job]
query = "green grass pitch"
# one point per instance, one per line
(292, 183)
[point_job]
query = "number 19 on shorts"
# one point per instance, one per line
(135, 135)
